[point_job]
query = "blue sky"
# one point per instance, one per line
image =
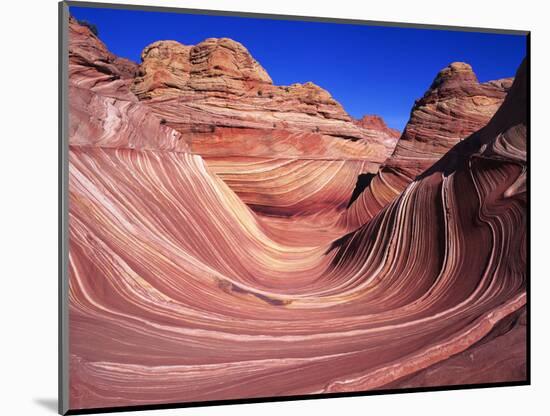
(368, 69)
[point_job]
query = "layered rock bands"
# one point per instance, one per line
(231, 239)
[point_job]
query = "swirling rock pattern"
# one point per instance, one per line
(182, 289)
(224, 102)
(455, 106)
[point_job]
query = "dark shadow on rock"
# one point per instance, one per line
(363, 181)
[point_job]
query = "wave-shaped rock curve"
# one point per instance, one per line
(181, 290)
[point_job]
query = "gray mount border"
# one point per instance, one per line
(63, 214)
(167, 9)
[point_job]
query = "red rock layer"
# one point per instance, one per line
(375, 122)
(465, 217)
(296, 187)
(217, 87)
(179, 292)
(224, 107)
(455, 106)
(93, 67)
(225, 104)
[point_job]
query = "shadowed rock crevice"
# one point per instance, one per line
(363, 181)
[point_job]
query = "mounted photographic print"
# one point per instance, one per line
(261, 208)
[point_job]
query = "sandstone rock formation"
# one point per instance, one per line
(93, 67)
(214, 65)
(217, 89)
(374, 122)
(220, 78)
(223, 106)
(180, 292)
(455, 106)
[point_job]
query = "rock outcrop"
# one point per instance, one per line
(93, 67)
(221, 104)
(226, 107)
(215, 65)
(374, 122)
(455, 106)
(217, 84)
